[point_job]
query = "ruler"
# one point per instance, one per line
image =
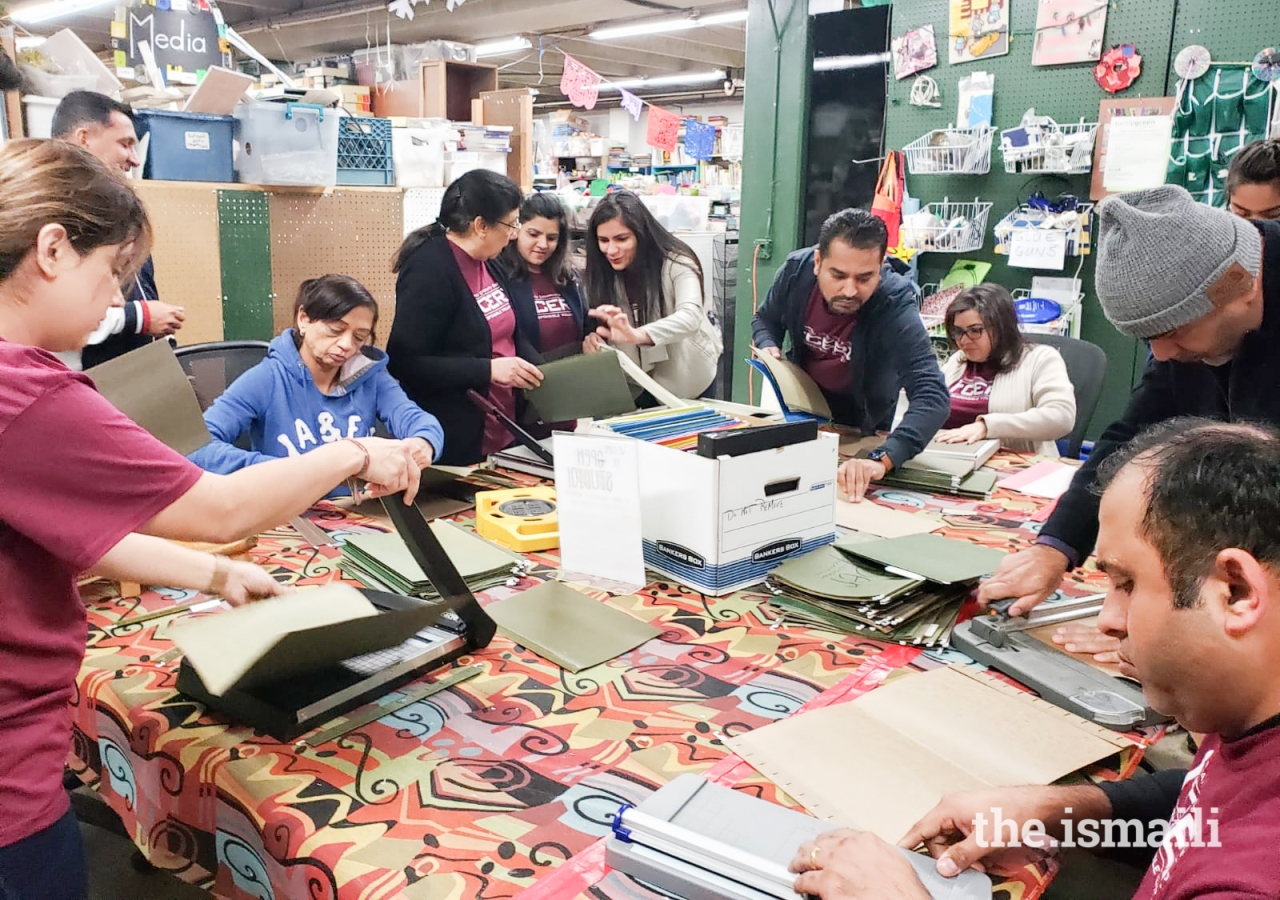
(409, 697)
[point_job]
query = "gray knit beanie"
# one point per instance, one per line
(1159, 255)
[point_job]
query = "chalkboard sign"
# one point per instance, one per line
(183, 40)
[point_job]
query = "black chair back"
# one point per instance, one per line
(214, 366)
(1086, 367)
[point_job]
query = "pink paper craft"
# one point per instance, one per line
(631, 103)
(580, 84)
(663, 129)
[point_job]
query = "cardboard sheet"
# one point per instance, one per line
(1046, 479)
(567, 627)
(219, 92)
(871, 518)
(882, 761)
(149, 386)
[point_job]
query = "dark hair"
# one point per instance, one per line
(55, 182)
(86, 108)
(559, 266)
(1210, 486)
(1256, 163)
(995, 305)
(10, 76)
(654, 246)
(330, 297)
(857, 228)
(478, 194)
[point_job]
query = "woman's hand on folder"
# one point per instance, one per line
(391, 468)
(965, 434)
(855, 865)
(616, 327)
(512, 371)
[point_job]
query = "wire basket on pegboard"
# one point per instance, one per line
(946, 227)
(1063, 323)
(1049, 148)
(951, 151)
(364, 151)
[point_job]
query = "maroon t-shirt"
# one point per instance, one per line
(557, 328)
(76, 476)
(827, 339)
(496, 306)
(971, 394)
(1232, 792)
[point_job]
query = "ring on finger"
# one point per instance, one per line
(813, 858)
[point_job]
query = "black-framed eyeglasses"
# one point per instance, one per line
(973, 332)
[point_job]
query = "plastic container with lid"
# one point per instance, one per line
(186, 146)
(286, 143)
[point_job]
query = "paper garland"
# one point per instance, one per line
(580, 84)
(663, 128)
(699, 139)
(631, 103)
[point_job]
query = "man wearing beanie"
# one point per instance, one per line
(1202, 287)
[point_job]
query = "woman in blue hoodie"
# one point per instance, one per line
(321, 382)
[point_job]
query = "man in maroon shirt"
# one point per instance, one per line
(1190, 539)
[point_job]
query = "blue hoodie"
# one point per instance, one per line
(278, 404)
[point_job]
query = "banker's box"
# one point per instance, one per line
(719, 525)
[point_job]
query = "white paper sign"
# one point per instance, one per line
(1137, 152)
(1038, 248)
(598, 500)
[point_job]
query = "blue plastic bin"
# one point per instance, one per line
(364, 152)
(187, 146)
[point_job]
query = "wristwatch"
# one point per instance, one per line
(881, 455)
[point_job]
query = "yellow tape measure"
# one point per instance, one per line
(523, 519)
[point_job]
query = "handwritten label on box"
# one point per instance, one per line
(1035, 248)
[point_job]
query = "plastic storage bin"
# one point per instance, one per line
(187, 146)
(40, 115)
(364, 152)
(286, 143)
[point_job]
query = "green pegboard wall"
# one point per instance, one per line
(1233, 30)
(1066, 93)
(244, 231)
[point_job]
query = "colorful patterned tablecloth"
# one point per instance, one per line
(488, 788)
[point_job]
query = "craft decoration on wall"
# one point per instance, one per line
(914, 52)
(1069, 31)
(924, 92)
(699, 139)
(1266, 66)
(404, 8)
(1118, 69)
(631, 103)
(978, 30)
(662, 129)
(1192, 62)
(580, 84)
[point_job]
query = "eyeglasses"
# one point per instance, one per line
(973, 332)
(514, 226)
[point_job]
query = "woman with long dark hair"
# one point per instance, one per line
(322, 381)
(1001, 386)
(541, 281)
(646, 291)
(454, 328)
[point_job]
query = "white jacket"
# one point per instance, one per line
(686, 345)
(1031, 406)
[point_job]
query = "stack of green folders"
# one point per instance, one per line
(384, 563)
(861, 585)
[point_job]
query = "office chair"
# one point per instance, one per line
(1086, 367)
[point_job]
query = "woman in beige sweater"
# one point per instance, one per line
(1001, 386)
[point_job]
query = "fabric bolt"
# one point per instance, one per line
(76, 476)
(827, 338)
(1144, 290)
